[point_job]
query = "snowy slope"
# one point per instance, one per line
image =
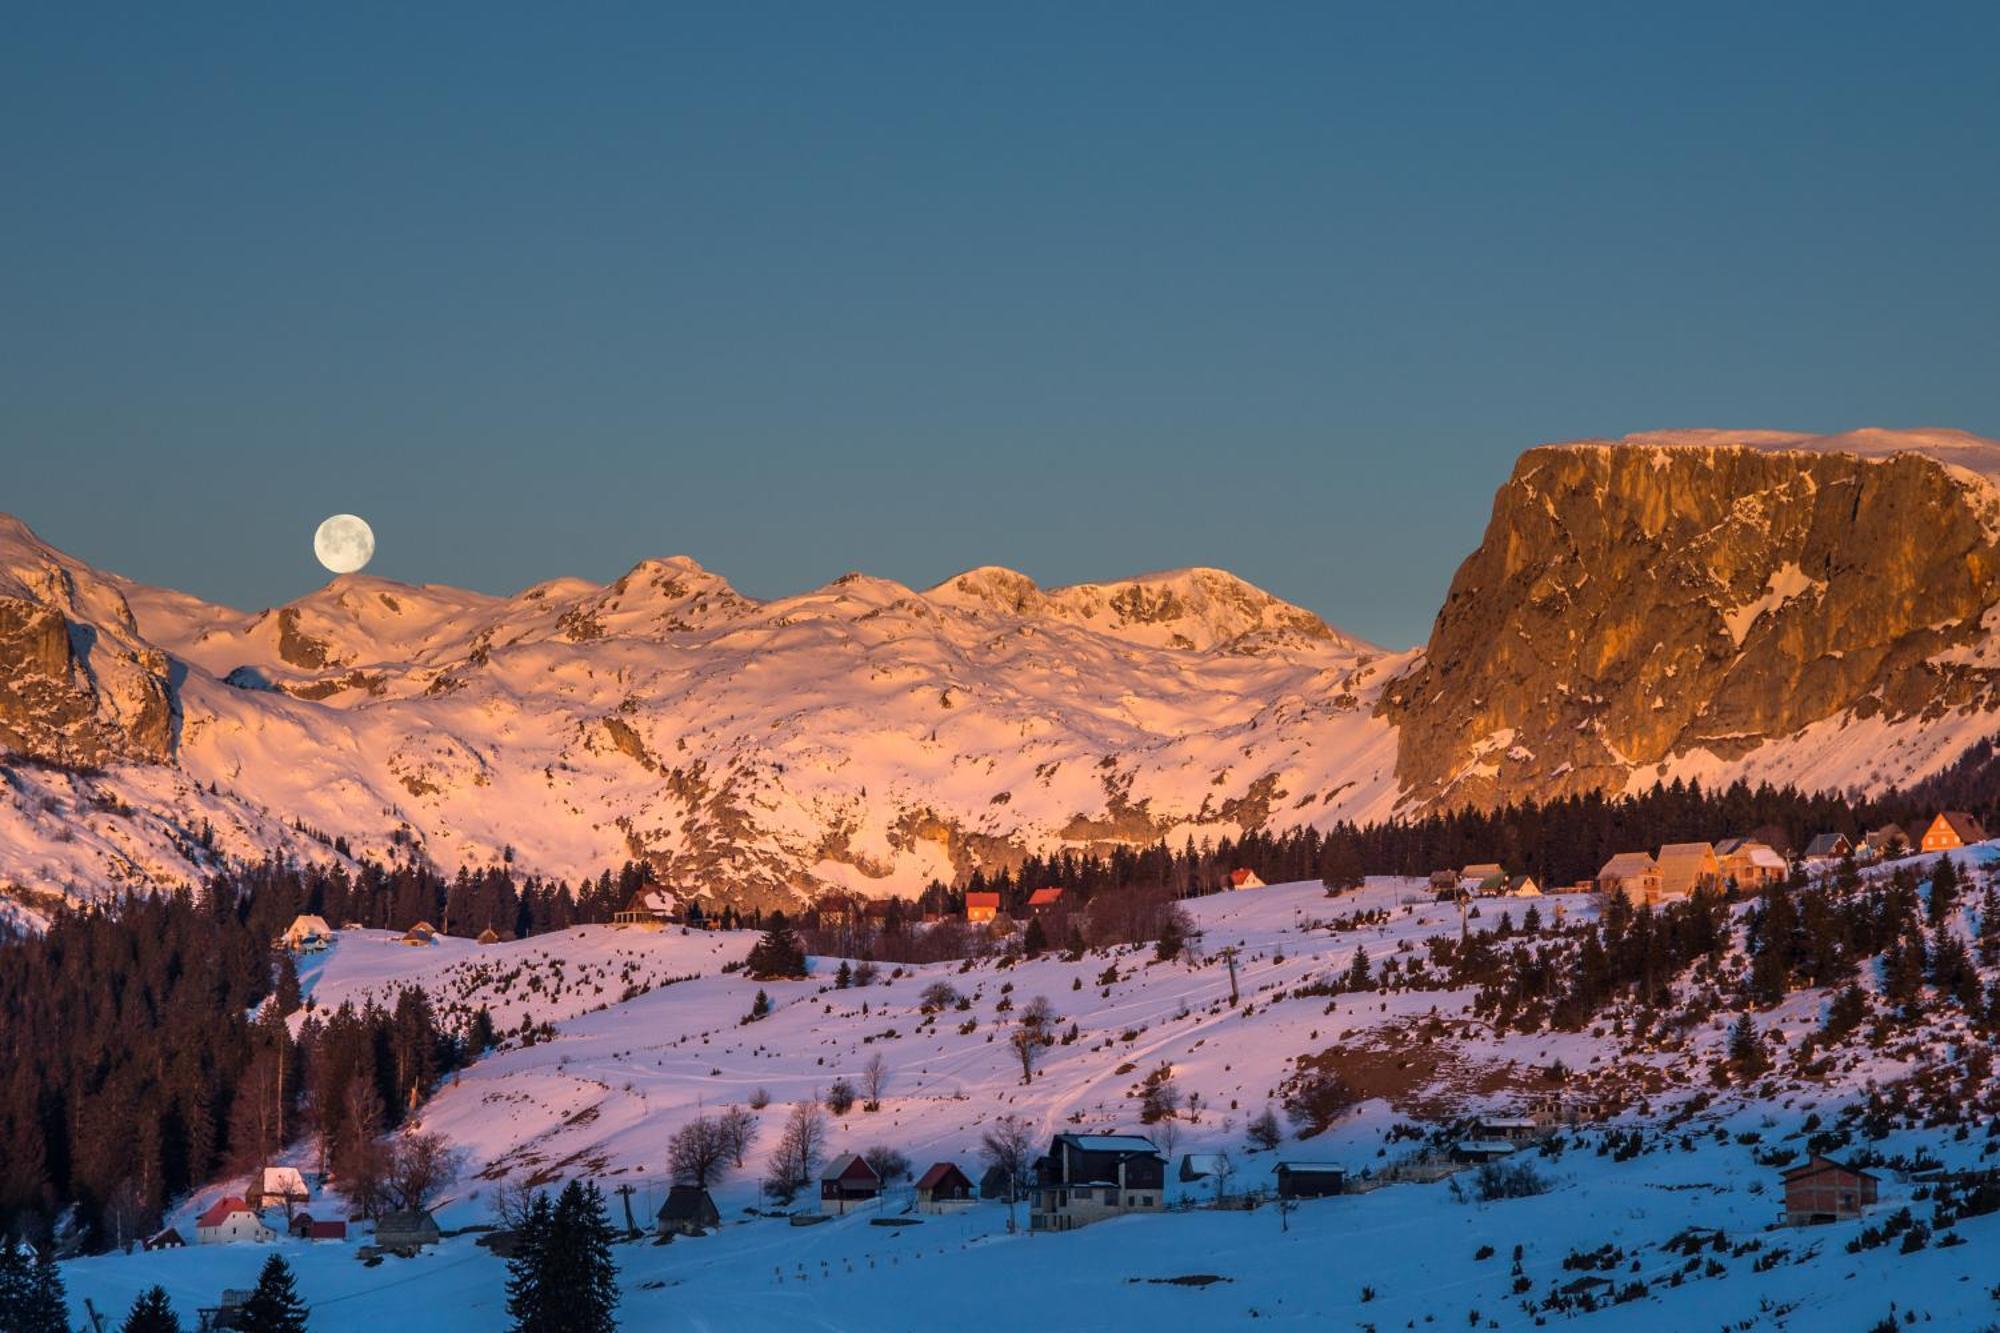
(603, 1097)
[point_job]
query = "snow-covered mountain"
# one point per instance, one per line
(1704, 604)
(864, 734)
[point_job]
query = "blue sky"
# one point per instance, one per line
(1080, 289)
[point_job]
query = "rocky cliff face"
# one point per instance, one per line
(77, 684)
(1678, 604)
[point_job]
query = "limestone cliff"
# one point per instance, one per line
(78, 686)
(1638, 606)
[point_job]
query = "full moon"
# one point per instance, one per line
(344, 543)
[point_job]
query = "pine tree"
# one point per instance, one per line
(1358, 974)
(580, 1255)
(1746, 1051)
(286, 997)
(274, 1307)
(1034, 940)
(1944, 889)
(529, 1299)
(844, 976)
(151, 1313)
(778, 954)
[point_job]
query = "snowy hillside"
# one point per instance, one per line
(1686, 1208)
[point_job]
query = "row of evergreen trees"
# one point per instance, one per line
(1561, 840)
(132, 1070)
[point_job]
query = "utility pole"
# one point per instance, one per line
(1228, 952)
(624, 1192)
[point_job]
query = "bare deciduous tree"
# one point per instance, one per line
(1009, 1145)
(874, 1081)
(698, 1152)
(738, 1128)
(798, 1153)
(420, 1167)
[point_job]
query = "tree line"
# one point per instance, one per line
(146, 1048)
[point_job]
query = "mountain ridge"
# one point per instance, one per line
(1668, 605)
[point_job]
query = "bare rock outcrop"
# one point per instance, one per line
(1637, 602)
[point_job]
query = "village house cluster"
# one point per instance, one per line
(1750, 862)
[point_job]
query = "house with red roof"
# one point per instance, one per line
(230, 1220)
(1242, 878)
(1043, 901)
(848, 1182)
(981, 907)
(944, 1189)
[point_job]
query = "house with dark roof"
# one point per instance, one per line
(847, 1183)
(169, 1239)
(1087, 1178)
(1823, 1190)
(688, 1211)
(1827, 849)
(307, 1227)
(1882, 843)
(1310, 1180)
(944, 1189)
(650, 908)
(406, 1232)
(1951, 830)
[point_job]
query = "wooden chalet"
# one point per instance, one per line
(406, 1232)
(1635, 874)
(1087, 1178)
(650, 908)
(306, 934)
(847, 1183)
(307, 1227)
(169, 1239)
(688, 1211)
(981, 907)
(420, 935)
(1687, 866)
(1827, 849)
(1951, 830)
(1823, 1190)
(944, 1189)
(1750, 864)
(278, 1187)
(1044, 901)
(1310, 1180)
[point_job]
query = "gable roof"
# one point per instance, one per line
(1679, 851)
(222, 1210)
(1242, 875)
(1481, 870)
(1045, 897)
(943, 1173)
(982, 899)
(1313, 1166)
(1888, 833)
(850, 1166)
(1628, 865)
(686, 1203)
(1816, 1164)
(1828, 844)
(284, 1180)
(1125, 1143)
(308, 924)
(1965, 826)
